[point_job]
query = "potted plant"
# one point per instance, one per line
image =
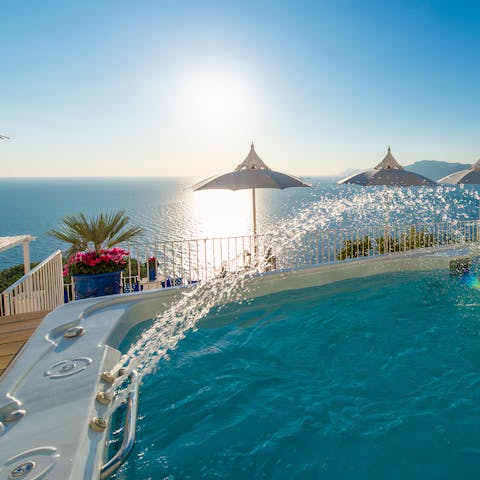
(152, 269)
(96, 274)
(92, 253)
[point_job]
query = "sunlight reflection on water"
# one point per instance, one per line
(221, 213)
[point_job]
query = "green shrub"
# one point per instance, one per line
(366, 246)
(416, 239)
(11, 275)
(361, 247)
(134, 262)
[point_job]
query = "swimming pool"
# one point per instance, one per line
(361, 369)
(371, 378)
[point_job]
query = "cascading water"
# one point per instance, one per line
(339, 207)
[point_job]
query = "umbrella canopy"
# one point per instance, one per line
(390, 173)
(467, 177)
(252, 173)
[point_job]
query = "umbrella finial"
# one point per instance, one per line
(252, 162)
(389, 162)
(252, 146)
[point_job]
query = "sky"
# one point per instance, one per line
(181, 88)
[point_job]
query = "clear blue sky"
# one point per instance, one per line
(100, 88)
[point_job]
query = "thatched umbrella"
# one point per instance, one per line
(470, 176)
(389, 173)
(252, 173)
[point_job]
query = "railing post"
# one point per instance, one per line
(26, 256)
(334, 247)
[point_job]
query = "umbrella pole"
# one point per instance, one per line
(386, 236)
(386, 233)
(254, 216)
(254, 213)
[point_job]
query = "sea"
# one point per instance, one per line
(167, 209)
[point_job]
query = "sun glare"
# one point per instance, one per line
(215, 97)
(221, 213)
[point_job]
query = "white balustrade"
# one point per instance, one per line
(183, 262)
(38, 290)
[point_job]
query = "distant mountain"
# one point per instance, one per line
(436, 169)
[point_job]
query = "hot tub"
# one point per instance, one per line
(235, 419)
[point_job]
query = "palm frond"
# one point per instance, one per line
(124, 236)
(95, 232)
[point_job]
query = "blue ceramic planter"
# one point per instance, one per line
(152, 274)
(89, 286)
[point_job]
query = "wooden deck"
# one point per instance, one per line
(15, 330)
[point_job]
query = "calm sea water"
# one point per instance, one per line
(168, 210)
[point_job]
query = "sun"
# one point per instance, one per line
(215, 96)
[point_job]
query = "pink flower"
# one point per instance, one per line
(109, 260)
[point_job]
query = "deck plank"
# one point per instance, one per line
(18, 326)
(5, 361)
(22, 317)
(11, 347)
(15, 330)
(16, 336)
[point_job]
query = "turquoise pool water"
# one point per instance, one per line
(368, 379)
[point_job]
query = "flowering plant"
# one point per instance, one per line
(91, 263)
(152, 262)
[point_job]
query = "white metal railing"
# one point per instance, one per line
(38, 290)
(183, 262)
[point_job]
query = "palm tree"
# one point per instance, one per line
(97, 232)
